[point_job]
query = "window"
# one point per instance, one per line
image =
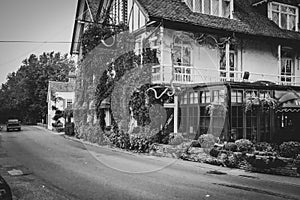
(285, 16)
(184, 99)
(182, 58)
(182, 51)
(236, 122)
(205, 96)
(232, 63)
(219, 8)
(218, 96)
(237, 96)
(69, 103)
(204, 120)
(287, 70)
(251, 94)
(251, 125)
(194, 98)
(193, 120)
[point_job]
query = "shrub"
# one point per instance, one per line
(290, 149)
(244, 145)
(120, 139)
(140, 144)
(207, 140)
(214, 152)
(230, 146)
(231, 161)
(176, 140)
(263, 146)
(195, 143)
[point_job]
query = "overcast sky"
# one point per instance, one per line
(33, 20)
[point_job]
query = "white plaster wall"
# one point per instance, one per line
(261, 58)
(61, 105)
(205, 59)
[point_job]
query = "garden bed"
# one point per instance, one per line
(256, 158)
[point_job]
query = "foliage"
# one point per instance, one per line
(263, 146)
(231, 161)
(96, 33)
(290, 149)
(120, 139)
(265, 103)
(244, 145)
(106, 84)
(25, 92)
(207, 140)
(216, 109)
(176, 139)
(58, 114)
(230, 146)
(140, 144)
(195, 143)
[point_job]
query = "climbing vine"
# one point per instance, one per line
(116, 70)
(100, 34)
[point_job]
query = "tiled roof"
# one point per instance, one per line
(248, 20)
(55, 86)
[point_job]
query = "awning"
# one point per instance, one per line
(289, 96)
(290, 106)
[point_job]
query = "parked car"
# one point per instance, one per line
(13, 124)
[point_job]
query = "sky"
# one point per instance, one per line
(33, 20)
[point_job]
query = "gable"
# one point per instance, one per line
(136, 15)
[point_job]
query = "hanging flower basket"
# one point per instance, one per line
(265, 103)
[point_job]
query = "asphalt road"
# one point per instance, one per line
(82, 171)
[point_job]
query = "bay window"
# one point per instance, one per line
(285, 16)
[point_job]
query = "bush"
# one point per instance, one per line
(230, 146)
(69, 129)
(207, 140)
(289, 149)
(231, 161)
(214, 152)
(176, 140)
(140, 144)
(195, 143)
(263, 146)
(120, 139)
(244, 145)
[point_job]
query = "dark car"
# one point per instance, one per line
(13, 124)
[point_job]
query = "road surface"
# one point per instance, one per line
(83, 171)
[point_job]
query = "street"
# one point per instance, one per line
(83, 171)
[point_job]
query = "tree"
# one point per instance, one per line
(24, 95)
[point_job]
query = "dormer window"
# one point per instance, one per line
(221, 8)
(285, 16)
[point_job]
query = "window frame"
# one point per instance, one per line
(280, 12)
(287, 76)
(202, 7)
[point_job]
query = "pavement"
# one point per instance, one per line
(229, 171)
(67, 169)
(23, 184)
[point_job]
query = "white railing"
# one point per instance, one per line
(164, 74)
